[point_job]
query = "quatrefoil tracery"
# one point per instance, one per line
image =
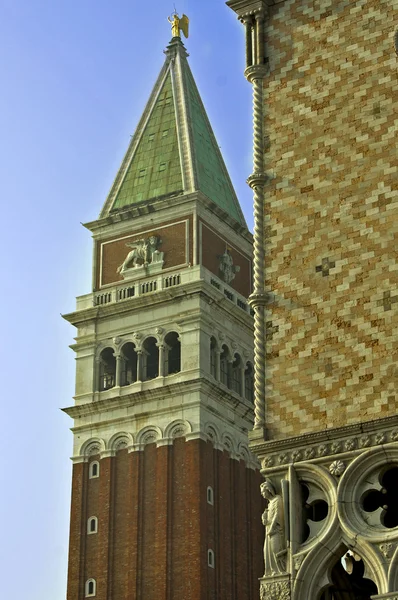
(379, 501)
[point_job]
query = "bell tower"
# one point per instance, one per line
(165, 501)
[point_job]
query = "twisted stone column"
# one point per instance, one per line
(258, 298)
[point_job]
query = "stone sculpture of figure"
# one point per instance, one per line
(273, 520)
(175, 25)
(155, 255)
(227, 268)
(144, 252)
(136, 257)
(179, 24)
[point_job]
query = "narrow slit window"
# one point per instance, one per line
(162, 167)
(92, 525)
(210, 558)
(210, 495)
(94, 470)
(90, 588)
(142, 173)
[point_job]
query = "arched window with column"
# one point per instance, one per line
(128, 374)
(224, 366)
(150, 358)
(237, 374)
(213, 357)
(107, 369)
(249, 382)
(172, 356)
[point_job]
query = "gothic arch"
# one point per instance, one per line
(315, 571)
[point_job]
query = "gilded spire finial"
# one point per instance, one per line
(179, 24)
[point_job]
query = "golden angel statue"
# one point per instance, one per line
(179, 24)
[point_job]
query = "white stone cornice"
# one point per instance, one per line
(77, 460)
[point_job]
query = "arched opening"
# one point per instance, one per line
(129, 365)
(90, 587)
(172, 361)
(107, 369)
(93, 470)
(224, 364)
(237, 374)
(210, 559)
(150, 359)
(348, 581)
(92, 525)
(249, 382)
(213, 357)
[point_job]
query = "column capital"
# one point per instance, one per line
(247, 8)
(258, 298)
(256, 72)
(257, 179)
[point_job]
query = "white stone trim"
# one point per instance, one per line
(89, 520)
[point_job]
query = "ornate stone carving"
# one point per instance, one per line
(350, 444)
(386, 549)
(93, 449)
(296, 455)
(322, 450)
(335, 447)
(275, 590)
(283, 458)
(337, 468)
(380, 438)
(364, 441)
(309, 453)
(144, 254)
(274, 523)
(297, 561)
(226, 267)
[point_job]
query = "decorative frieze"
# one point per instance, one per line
(307, 451)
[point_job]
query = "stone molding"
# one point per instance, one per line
(345, 441)
(224, 442)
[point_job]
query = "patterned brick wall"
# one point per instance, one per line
(331, 213)
(155, 525)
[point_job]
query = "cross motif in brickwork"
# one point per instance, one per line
(325, 267)
(270, 329)
(387, 300)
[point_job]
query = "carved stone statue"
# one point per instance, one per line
(274, 522)
(179, 24)
(144, 253)
(227, 268)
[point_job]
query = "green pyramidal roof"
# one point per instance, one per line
(173, 150)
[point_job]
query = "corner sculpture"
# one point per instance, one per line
(273, 520)
(227, 268)
(144, 254)
(179, 24)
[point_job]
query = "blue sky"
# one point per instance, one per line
(75, 78)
